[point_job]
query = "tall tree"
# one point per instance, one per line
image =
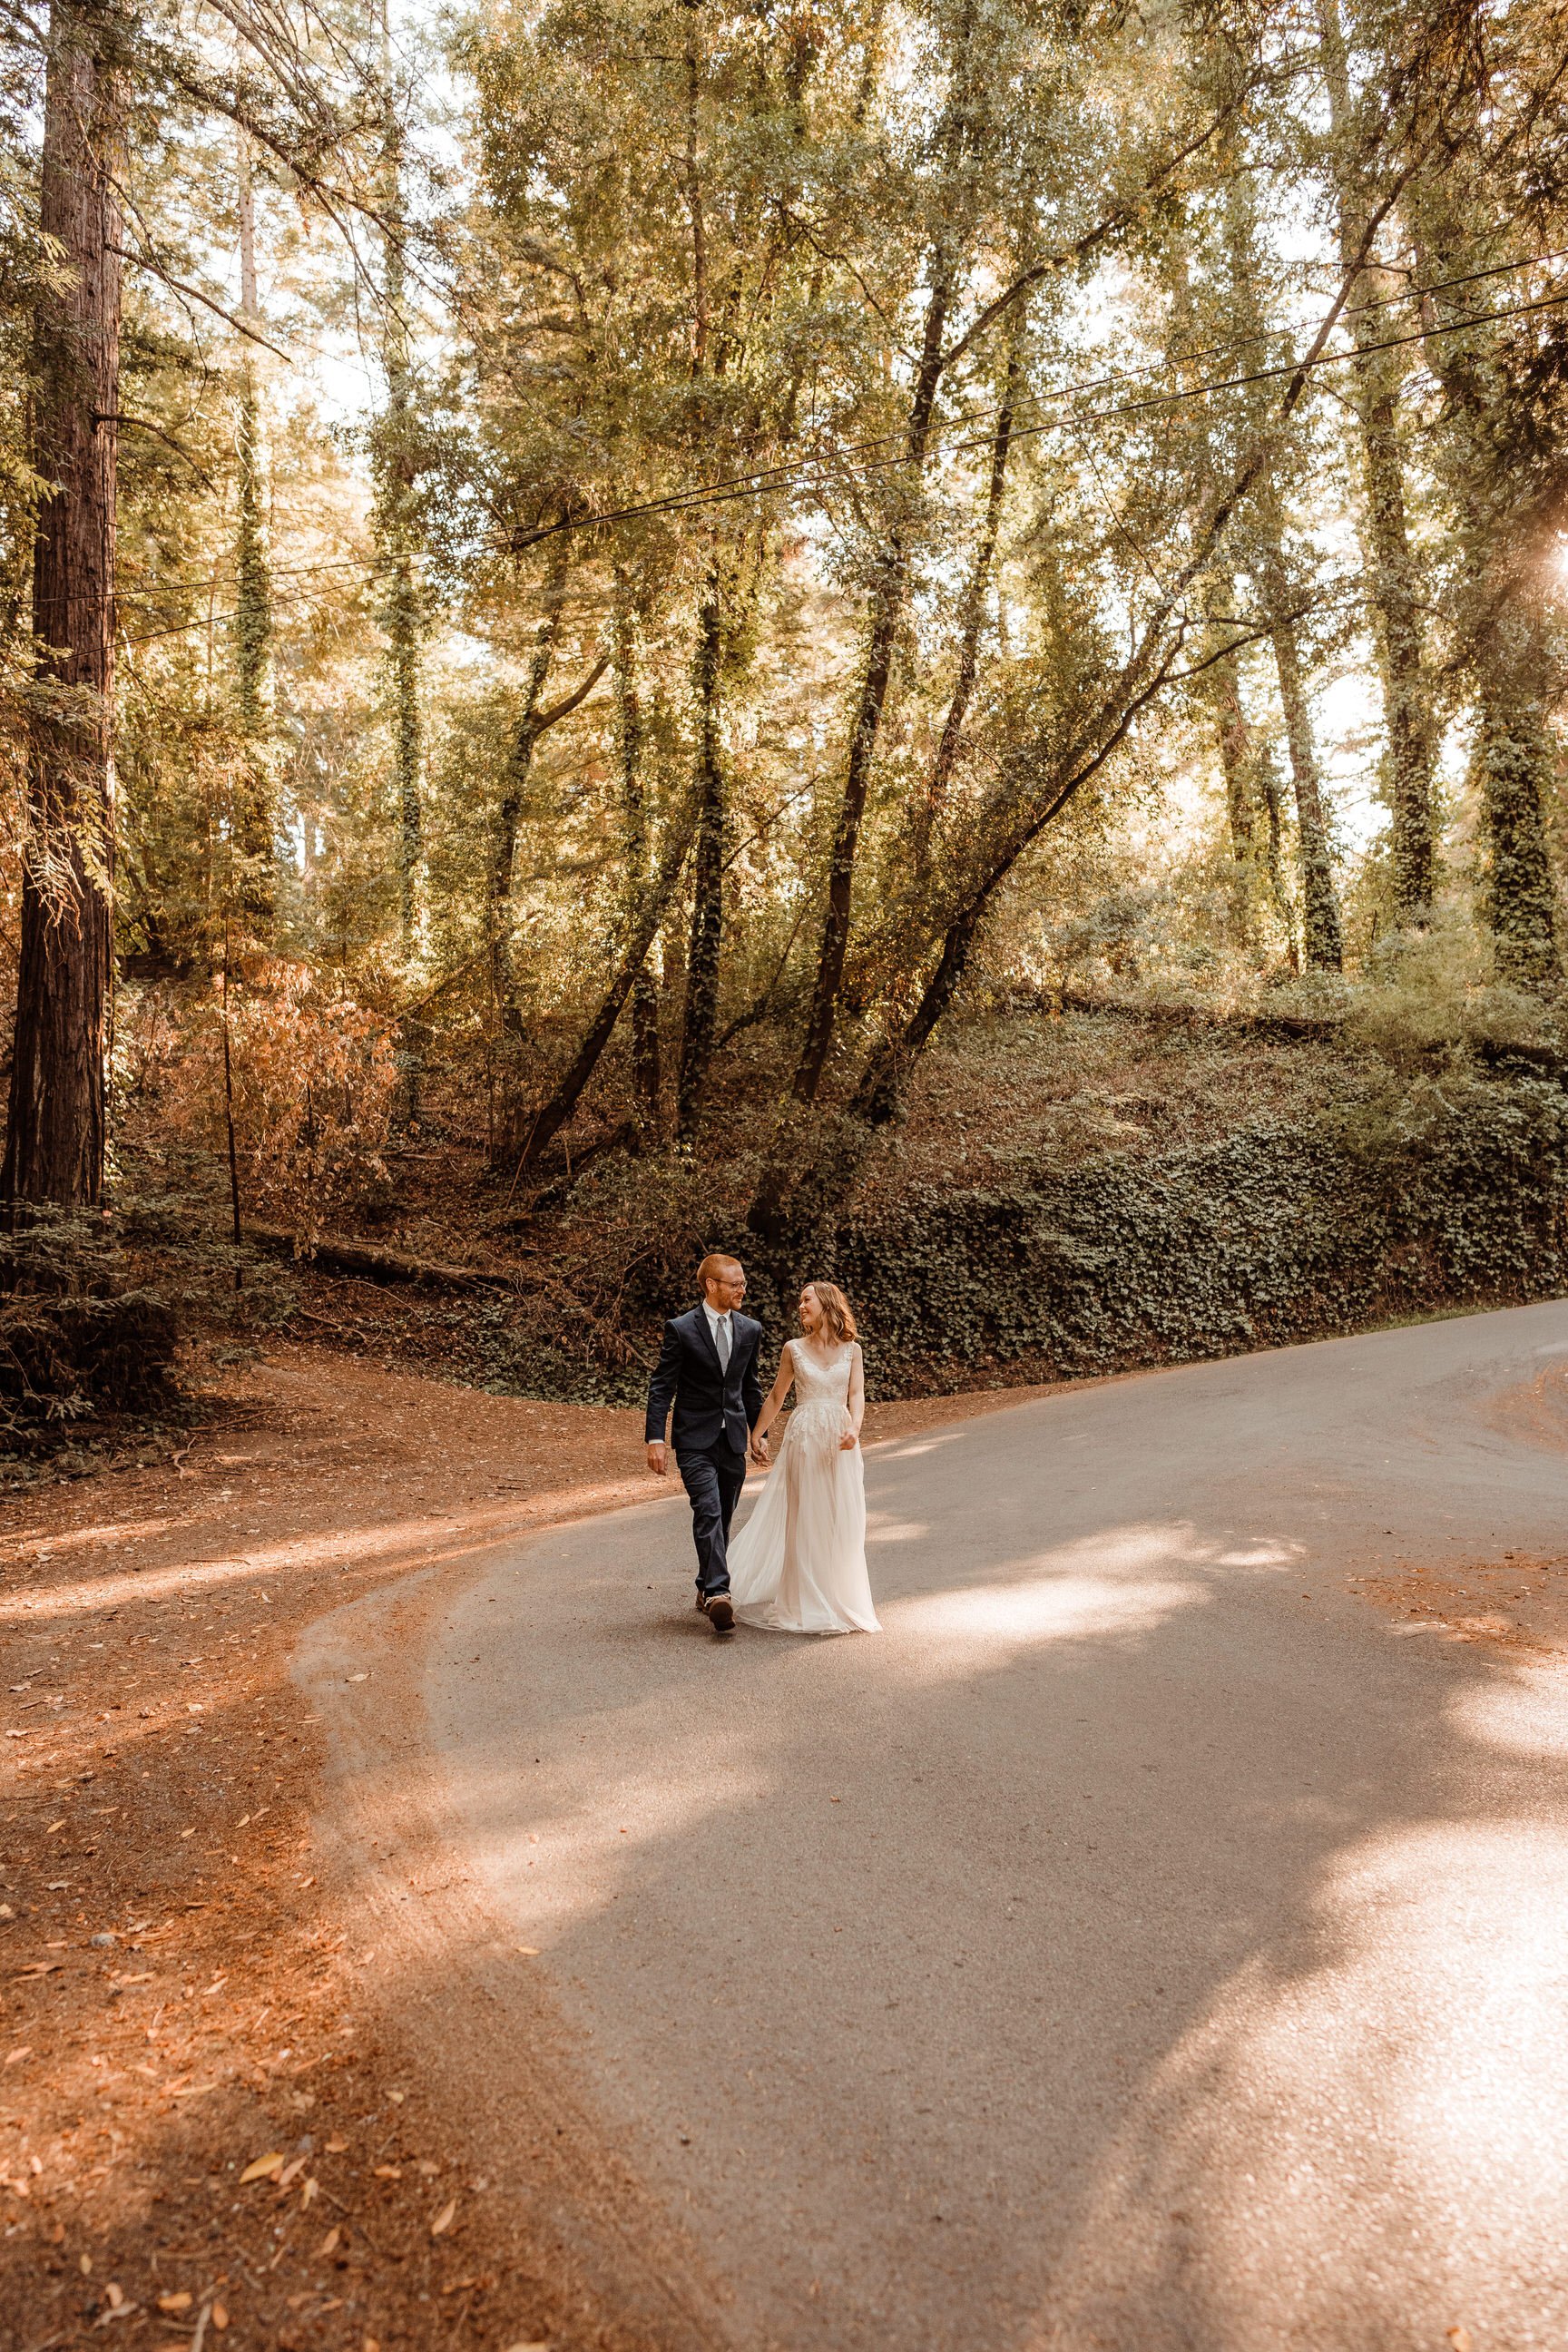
(397, 531)
(256, 814)
(631, 743)
(1323, 930)
(1393, 579)
(56, 1134)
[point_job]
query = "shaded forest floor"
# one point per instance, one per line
(575, 1265)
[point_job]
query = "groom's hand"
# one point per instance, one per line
(758, 1450)
(656, 1461)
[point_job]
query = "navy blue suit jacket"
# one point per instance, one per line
(710, 1406)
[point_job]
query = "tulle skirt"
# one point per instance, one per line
(798, 1565)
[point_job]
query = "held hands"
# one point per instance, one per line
(657, 1461)
(758, 1450)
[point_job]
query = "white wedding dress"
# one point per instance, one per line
(798, 1565)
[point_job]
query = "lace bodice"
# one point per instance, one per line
(816, 1383)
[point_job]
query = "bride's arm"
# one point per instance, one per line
(856, 1403)
(773, 1403)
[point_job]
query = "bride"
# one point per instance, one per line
(798, 1566)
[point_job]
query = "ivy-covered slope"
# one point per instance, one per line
(1272, 1234)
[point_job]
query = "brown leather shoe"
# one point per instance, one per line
(719, 1610)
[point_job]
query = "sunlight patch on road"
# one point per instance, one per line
(1119, 1580)
(1526, 1715)
(555, 1867)
(413, 1542)
(1375, 2127)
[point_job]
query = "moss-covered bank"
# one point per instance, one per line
(1273, 1233)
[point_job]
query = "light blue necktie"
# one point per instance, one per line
(721, 1341)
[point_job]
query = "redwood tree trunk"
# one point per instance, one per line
(55, 1142)
(705, 946)
(630, 735)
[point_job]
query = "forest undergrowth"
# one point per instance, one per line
(1071, 1191)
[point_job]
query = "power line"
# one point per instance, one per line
(760, 484)
(759, 480)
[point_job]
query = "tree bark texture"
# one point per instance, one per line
(630, 743)
(1322, 936)
(553, 1114)
(705, 946)
(1238, 766)
(514, 791)
(56, 1137)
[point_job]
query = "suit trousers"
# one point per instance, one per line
(712, 1476)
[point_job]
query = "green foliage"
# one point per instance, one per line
(78, 1335)
(1449, 1193)
(1273, 1235)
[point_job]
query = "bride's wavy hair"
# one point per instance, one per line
(836, 1312)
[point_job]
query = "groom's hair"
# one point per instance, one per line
(716, 1263)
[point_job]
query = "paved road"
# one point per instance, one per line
(1144, 1944)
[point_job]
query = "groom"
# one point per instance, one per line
(707, 1369)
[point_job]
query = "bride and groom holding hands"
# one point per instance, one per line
(798, 1566)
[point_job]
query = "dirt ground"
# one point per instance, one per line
(208, 2135)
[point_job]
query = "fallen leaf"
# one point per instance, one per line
(531, 2344)
(181, 2302)
(329, 2244)
(220, 2317)
(309, 2191)
(371, 2345)
(263, 2167)
(359, 1678)
(15, 2057)
(336, 2146)
(1459, 2338)
(444, 2218)
(528, 1951)
(292, 2171)
(388, 2172)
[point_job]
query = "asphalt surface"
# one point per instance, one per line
(1144, 1943)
